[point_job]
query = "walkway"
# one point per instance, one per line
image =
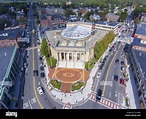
(131, 91)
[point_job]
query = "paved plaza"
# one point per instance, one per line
(68, 76)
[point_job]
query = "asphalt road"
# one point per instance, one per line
(113, 89)
(31, 99)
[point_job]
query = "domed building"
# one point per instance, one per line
(74, 45)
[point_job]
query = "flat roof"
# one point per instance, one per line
(9, 34)
(55, 36)
(5, 57)
(141, 29)
(106, 23)
(141, 57)
(136, 41)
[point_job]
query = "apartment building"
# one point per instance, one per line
(137, 56)
(9, 67)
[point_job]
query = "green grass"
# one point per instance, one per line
(51, 61)
(77, 85)
(56, 84)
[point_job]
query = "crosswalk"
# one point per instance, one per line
(67, 106)
(106, 102)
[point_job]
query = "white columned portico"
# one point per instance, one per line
(67, 57)
(60, 57)
(64, 56)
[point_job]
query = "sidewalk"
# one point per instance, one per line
(131, 90)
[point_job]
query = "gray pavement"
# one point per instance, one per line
(131, 91)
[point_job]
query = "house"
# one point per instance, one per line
(44, 20)
(112, 17)
(73, 18)
(9, 65)
(96, 17)
(83, 11)
(52, 10)
(9, 37)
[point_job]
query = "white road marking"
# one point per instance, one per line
(115, 106)
(109, 103)
(115, 95)
(112, 105)
(109, 94)
(106, 102)
(29, 104)
(33, 100)
(111, 84)
(103, 101)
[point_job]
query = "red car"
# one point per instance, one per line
(122, 82)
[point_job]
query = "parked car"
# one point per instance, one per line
(122, 68)
(40, 58)
(98, 95)
(122, 81)
(115, 49)
(40, 90)
(41, 68)
(110, 50)
(42, 74)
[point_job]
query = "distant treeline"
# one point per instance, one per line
(97, 2)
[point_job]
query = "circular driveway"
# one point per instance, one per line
(68, 75)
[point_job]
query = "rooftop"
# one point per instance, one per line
(54, 36)
(9, 34)
(141, 56)
(136, 41)
(5, 56)
(43, 17)
(141, 29)
(76, 32)
(107, 23)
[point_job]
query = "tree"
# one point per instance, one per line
(3, 10)
(123, 16)
(87, 15)
(45, 51)
(69, 12)
(12, 14)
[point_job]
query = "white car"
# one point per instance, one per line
(40, 90)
